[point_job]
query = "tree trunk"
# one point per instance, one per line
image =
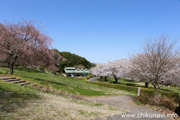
(116, 80)
(11, 63)
(105, 78)
(146, 84)
(8, 64)
(11, 68)
(156, 91)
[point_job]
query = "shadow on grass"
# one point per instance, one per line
(47, 81)
(12, 101)
(27, 70)
(2, 90)
(125, 82)
(44, 81)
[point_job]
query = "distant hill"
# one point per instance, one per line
(73, 60)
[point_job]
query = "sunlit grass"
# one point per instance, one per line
(21, 103)
(65, 84)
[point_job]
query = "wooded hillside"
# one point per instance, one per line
(73, 60)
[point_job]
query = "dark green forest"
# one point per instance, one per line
(73, 60)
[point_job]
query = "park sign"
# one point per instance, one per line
(72, 71)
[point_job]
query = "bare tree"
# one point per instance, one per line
(158, 58)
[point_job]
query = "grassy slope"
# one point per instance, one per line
(18, 103)
(13, 97)
(28, 103)
(65, 84)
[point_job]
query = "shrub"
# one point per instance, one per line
(158, 100)
(149, 92)
(144, 98)
(171, 95)
(173, 85)
(168, 103)
(130, 84)
(89, 76)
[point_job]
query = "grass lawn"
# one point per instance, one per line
(123, 81)
(21, 103)
(64, 84)
(140, 84)
(26, 102)
(14, 97)
(14, 93)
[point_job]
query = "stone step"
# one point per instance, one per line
(5, 78)
(19, 81)
(11, 80)
(33, 85)
(25, 83)
(15, 81)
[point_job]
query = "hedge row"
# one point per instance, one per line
(116, 86)
(149, 91)
(89, 76)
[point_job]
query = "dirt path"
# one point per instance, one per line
(93, 78)
(125, 103)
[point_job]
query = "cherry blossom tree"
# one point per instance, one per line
(137, 69)
(101, 70)
(158, 62)
(172, 75)
(24, 41)
(49, 59)
(116, 69)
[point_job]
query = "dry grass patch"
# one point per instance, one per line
(61, 108)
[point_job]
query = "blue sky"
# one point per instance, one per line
(99, 30)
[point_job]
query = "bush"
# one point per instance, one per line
(89, 76)
(144, 98)
(173, 85)
(149, 92)
(171, 95)
(158, 100)
(130, 84)
(168, 103)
